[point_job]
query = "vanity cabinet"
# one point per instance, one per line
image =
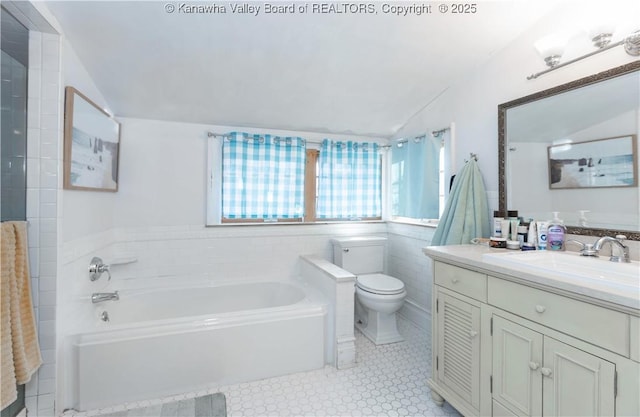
(505, 346)
(457, 359)
(534, 375)
(456, 332)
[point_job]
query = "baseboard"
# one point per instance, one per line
(416, 314)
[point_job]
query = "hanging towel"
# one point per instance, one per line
(20, 352)
(466, 214)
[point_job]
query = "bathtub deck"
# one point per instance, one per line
(388, 380)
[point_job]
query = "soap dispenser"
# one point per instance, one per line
(556, 233)
(582, 219)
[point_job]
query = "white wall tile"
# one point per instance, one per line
(33, 143)
(46, 386)
(35, 83)
(42, 182)
(50, 121)
(50, 61)
(33, 115)
(48, 240)
(31, 402)
(33, 172)
(31, 389)
(48, 195)
(46, 401)
(33, 210)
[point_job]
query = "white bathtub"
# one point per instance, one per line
(169, 341)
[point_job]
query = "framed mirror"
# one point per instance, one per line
(571, 117)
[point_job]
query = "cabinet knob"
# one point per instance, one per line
(534, 365)
(540, 309)
(455, 280)
(546, 372)
(473, 334)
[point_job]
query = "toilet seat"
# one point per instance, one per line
(380, 284)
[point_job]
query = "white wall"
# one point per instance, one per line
(88, 212)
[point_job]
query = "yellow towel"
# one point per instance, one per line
(20, 352)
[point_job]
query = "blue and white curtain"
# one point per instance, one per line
(415, 178)
(349, 180)
(262, 177)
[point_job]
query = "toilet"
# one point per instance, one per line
(378, 296)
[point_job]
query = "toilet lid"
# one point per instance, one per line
(380, 284)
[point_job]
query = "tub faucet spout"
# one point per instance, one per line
(98, 297)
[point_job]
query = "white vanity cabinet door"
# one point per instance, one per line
(576, 383)
(534, 375)
(517, 359)
(458, 347)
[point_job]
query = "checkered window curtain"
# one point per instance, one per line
(262, 177)
(349, 180)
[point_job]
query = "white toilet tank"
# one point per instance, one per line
(360, 255)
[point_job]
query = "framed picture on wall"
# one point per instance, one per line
(91, 145)
(610, 162)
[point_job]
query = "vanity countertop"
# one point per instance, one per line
(623, 297)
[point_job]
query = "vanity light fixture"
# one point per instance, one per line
(551, 49)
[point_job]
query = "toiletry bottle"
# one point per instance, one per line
(556, 233)
(522, 234)
(532, 237)
(505, 228)
(515, 223)
(541, 227)
(497, 224)
(582, 219)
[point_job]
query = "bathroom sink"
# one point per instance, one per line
(570, 266)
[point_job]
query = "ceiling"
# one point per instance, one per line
(342, 73)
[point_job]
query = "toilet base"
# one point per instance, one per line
(380, 328)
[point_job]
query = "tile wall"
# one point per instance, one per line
(44, 164)
(407, 262)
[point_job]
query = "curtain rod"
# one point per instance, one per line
(438, 133)
(225, 135)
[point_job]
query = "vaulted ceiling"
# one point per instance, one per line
(353, 73)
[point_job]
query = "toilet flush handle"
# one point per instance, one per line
(345, 250)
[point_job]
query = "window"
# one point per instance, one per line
(349, 181)
(263, 178)
(417, 178)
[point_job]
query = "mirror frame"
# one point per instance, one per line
(502, 141)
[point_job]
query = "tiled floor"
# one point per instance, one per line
(389, 380)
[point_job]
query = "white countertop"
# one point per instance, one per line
(621, 297)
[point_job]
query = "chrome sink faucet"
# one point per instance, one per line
(624, 250)
(98, 297)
